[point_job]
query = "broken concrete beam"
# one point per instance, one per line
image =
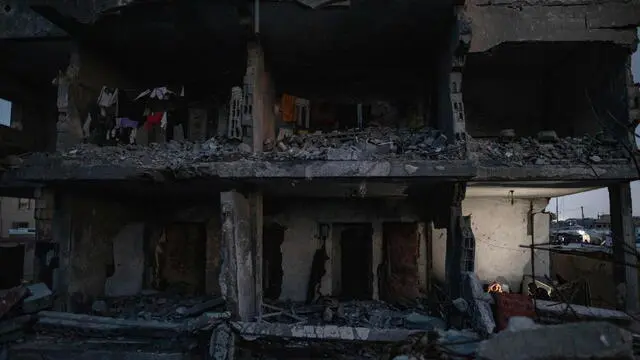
(135, 327)
(595, 340)
(40, 298)
(201, 307)
(579, 312)
(323, 333)
(206, 321)
(79, 321)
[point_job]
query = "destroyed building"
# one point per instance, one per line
(266, 152)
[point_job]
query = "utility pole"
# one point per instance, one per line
(582, 211)
(557, 213)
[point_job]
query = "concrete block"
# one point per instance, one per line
(592, 340)
(479, 304)
(40, 298)
(423, 322)
(128, 255)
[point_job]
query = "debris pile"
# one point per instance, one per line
(17, 308)
(156, 306)
(367, 314)
(563, 151)
(367, 144)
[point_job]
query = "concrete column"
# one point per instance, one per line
(61, 230)
(238, 280)
(29, 268)
(453, 265)
(624, 246)
(257, 226)
(212, 263)
(376, 253)
(259, 83)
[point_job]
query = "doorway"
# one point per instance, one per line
(11, 266)
(355, 262)
(399, 280)
(273, 237)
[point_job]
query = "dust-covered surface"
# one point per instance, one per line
(369, 144)
(569, 151)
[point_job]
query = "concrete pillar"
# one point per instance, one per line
(376, 253)
(29, 269)
(238, 275)
(61, 232)
(451, 115)
(624, 247)
(260, 93)
(453, 264)
(257, 227)
(212, 262)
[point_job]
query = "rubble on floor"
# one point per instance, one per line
(594, 340)
(16, 308)
(367, 144)
(531, 151)
(366, 314)
(156, 306)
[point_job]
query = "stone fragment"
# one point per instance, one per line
(519, 323)
(466, 341)
(41, 298)
(507, 135)
(541, 161)
(327, 314)
(342, 154)
(547, 136)
(244, 148)
(461, 305)
(410, 169)
(583, 340)
(423, 322)
(479, 304)
(99, 307)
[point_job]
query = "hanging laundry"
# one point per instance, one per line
(108, 97)
(160, 93)
(155, 118)
(163, 121)
(86, 127)
(288, 108)
(126, 123)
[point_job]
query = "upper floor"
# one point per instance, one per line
(483, 90)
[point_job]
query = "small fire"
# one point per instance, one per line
(495, 288)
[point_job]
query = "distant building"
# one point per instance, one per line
(603, 223)
(16, 217)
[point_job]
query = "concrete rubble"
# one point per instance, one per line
(594, 340)
(368, 144)
(531, 151)
(156, 306)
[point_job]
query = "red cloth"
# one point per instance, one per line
(153, 118)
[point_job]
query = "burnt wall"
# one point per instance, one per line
(122, 248)
(572, 88)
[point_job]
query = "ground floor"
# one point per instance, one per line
(370, 262)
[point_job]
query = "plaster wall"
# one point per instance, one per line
(301, 239)
(500, 227)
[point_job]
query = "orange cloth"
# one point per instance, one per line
(288, 108)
